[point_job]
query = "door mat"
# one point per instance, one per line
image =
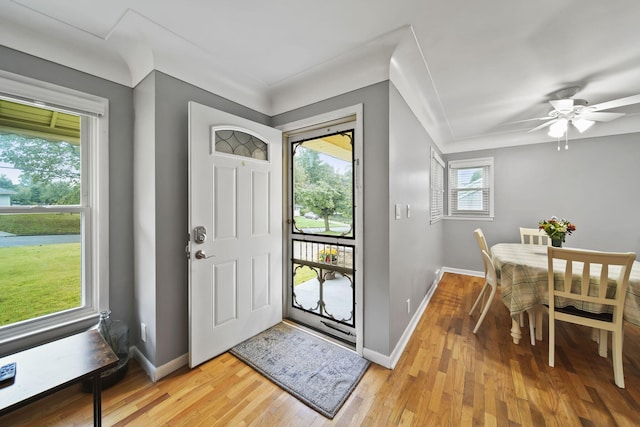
(317, 372)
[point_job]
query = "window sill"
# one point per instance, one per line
(469, 218)
(27, 334)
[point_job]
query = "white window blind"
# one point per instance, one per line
(471, 188)
(437, 187)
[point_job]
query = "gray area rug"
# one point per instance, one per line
(317, 372)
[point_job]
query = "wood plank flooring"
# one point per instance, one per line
(446, 377)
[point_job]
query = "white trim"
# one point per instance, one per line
(483, 162)
(53, 96)
(162, 371)
(321, 120)
(437, 157)
(468, 218)
(464, 272)
(471, 163)
(95, 185)
(391, 360)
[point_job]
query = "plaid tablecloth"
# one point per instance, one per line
(522, 271)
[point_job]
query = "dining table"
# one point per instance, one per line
(523, 276)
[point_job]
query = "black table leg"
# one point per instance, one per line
(97, 399)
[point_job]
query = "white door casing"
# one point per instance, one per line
(354, 112)
(235, 283)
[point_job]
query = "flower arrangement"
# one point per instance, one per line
(556, 229)
(328, 255)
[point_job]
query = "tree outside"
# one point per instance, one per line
(49, 171)
(320, 188)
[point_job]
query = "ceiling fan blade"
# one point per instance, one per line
(562, 104)
(601, 117)
(544, 125)
(620, 102)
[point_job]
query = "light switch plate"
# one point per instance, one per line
(398, 211)
(408, 211)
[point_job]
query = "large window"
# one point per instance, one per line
(471, 188)
(53, 206)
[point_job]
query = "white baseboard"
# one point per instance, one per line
(463, 271)
(383, 360)
(160, 372)
(391, 361)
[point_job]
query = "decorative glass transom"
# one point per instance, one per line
(240, 143)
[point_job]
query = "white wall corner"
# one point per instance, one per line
(46, 42)
(363, 66)
(146, 46)
(410, 74)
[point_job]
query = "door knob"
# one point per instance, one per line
(201, 255)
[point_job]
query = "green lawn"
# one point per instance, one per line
(302, 222)
(303, 274)
(39, 224)
(38, 280)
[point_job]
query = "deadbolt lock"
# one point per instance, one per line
(199, 234)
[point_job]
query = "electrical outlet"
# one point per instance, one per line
(409, 306)
(143, 332)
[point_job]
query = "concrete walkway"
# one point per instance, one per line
(338, 296)
(11, 240)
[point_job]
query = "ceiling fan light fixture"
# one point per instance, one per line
(558, 129)
(582, 124)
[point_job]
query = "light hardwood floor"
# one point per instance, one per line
(446, 377)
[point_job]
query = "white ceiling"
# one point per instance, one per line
(466, 68)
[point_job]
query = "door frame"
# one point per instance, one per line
(350, 113)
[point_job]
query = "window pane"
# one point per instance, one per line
(323, 185)
(40, 253)
(240, 144)
(40, 265)
(470, 178)
(38, 171)
(470, 200)
(470, 187)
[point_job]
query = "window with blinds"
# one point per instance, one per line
(471, 188)
(437, 187)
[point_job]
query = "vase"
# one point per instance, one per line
(556, 243)
(116, 334)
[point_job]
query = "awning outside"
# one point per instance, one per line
(38, 122)
(338, 146)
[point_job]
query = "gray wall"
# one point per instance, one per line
(593, 184)
(400, 256)
(415, 246)
(375, 100)
(144, 215)
(167, 313)
(120, 166)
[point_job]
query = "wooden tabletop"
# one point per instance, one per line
(52, 366)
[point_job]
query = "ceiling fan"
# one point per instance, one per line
(578, 113)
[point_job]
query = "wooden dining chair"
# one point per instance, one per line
(571, 288)
(482, 244)
(534, 236)
(490, 281)
(489, 271)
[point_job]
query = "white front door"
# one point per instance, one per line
(235, 224)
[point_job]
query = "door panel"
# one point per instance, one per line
(235, 274)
